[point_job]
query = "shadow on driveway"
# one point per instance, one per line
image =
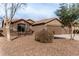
(1, 35)
(55, 37)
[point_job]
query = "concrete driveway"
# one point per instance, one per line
(67, 36)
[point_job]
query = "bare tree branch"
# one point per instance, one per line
(5, 5)
(14, 8)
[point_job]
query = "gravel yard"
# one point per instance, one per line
(27, 46)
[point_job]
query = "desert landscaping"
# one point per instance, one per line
(26, 45)
(39, 30)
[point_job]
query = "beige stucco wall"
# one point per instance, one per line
(54, 23)
(57, 29)
(38, 28)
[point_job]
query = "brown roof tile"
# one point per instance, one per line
(17, 20)
(45, 21)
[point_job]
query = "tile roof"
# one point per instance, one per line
(16, 20)
(45, 21)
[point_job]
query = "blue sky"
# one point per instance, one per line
(37, 11)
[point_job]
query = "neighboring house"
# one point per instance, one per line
(21, 26)
(52, 25)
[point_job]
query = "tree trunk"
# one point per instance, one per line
(71, 32)
(74, 33)
(8, 33)
(7, 29)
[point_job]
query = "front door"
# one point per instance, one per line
(21, 28)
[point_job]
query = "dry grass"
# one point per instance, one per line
(29, 47)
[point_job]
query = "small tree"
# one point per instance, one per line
(68, 13)
(10, 10)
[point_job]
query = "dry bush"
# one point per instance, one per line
(43, 36)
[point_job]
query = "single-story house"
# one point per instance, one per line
(29, 26)
(51, 24)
